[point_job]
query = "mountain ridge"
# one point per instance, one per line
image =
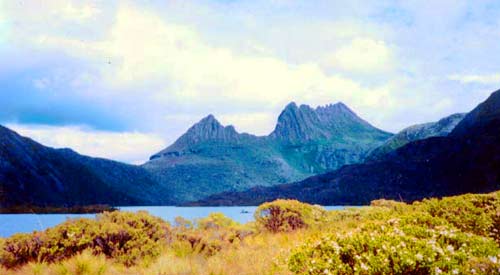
(31, 173)
(439, 128)
(305, 141)
(432, 167)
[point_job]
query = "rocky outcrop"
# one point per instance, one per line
(206, 130)
(334, 122)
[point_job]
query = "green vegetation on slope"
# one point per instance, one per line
(454, 235)
(211, 158)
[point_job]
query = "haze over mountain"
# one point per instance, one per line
(211, 158)
(467, 160)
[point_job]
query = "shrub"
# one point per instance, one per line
(478, 214)
(210, 235)
(20, 249)
(414, 244)
(288, 215)
(215, 221)
(391, 204)
(123, 236)
(129, 237)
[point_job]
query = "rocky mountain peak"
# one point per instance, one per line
(291, 106)
(335, 107)
(210, 119)
(208, 129)
(299, 124)
(338, 114)
(296, 124)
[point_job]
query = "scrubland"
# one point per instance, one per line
(454, 235)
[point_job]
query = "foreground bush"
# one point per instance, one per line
(412, 244)
(210, 235)
(125, 237)
(453, 235)
(288, 215)
(473, 213)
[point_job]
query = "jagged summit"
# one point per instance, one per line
(333, 121)
(290, 106)
(338, 108)
(297, 124)
(208, 119)
(207, 129)
(210, 157)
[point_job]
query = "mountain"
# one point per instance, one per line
(31, 173)
(207, 130)
(416, 132)
(467, 160)
(325, 138)
(334, 122)
(211, 158)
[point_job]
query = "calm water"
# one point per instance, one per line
(17, 223)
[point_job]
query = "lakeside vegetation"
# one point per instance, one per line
(453, 235)
(76, 209)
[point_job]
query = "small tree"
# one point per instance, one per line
(288, 215)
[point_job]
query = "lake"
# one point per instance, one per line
(23, 223)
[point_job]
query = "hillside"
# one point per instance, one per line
(467, 160)
(31, 173)
(416, 132)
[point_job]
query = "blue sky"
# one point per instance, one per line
(123, 79)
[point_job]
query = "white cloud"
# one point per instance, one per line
(160, 66)
(131, 147)
(176, 58)
(363, 55)
(474, 78)
(72, 11)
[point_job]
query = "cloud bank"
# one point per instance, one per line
(143, 72)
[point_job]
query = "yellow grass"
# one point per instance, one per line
(261, 254)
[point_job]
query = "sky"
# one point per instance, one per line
(124, 79)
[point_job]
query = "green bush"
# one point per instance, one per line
(123, 236)
(20, 249)
(129, 237)
(478, 214)
(288, 215)
(411, 244)
(215, 221)
(210, 235)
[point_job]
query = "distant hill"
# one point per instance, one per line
(416, 132)
(211, 158)
(207, 159)
(467, 160)
(31, 173)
